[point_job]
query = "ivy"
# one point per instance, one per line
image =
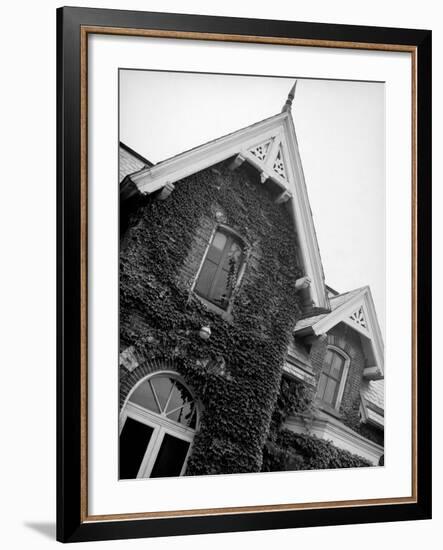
(352, 415)
(293, 451)
(161, 317)
(285, 450)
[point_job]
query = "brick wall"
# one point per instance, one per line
(346, 339)
(343, 337)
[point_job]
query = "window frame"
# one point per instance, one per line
(342, 384)
(223, 228)
(160, 424)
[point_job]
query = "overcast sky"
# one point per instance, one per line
(340, 129)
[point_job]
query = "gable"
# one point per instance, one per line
(269, 158)
(357, 310)
(271, 147)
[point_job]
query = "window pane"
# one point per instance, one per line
(219, 240)
(233, 256)
(329, 394)
(171, 457)
(220, 269)
(182, 415)
(162, 386)
(181, 405)
(205, 278)
(144, 397)
(321, 386)
(179, 397)
(220, 292)
(134, 440)
(337, 366)
(217, 246)
(329, 357)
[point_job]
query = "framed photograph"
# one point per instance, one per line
(244, 271)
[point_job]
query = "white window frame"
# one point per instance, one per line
(225, 313)
(160, 425)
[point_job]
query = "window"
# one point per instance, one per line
(333, 377)
(157, 426)
(220, 270)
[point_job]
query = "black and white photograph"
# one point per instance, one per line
(217, 281)
(251, 274)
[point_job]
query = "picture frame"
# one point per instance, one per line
(74, 213)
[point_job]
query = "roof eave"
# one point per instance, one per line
(152, 179)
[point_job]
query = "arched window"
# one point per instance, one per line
(221, 268)
(333, 377)
(157, 426)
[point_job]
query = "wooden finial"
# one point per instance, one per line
(287, 106)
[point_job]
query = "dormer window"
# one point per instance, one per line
(333, 377)
(221, 268)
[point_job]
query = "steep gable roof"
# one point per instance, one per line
(271, 147)
(334, 302)
(356, 309)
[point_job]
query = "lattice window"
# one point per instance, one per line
(358, 317)
(279, 165)
(261, 150)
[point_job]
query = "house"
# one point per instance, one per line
(235, 356)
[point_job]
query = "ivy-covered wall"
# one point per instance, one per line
(285, 450)
(236, 374)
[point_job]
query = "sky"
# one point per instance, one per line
(340, 127)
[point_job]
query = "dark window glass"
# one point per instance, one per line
(330, 377)
(134, 440)
(220, 269)
(171, 457)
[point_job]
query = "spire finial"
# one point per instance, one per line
(287, 106)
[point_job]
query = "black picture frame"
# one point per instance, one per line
(72, 525)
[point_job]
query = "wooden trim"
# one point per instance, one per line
(83, 276)
(414, 268)
(251, 509)
(187, 35)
